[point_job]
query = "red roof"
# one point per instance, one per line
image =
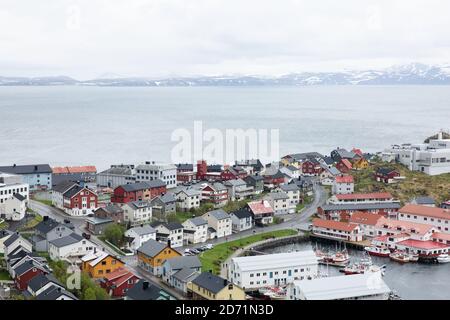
(344, 179)
(426, 211)
(260, 207)
(347, 163)
(427, 245)
(441, 236)
(404, 226)
(365, 196)
(119, 276)
(365, 218)
(79, 169)
(358, 151)
(336, 225)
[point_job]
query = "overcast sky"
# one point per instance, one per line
(87, 38)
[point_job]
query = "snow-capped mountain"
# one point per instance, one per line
(412, 74)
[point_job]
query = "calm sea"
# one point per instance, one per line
(95, 125)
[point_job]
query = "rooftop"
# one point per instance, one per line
(365, 196)
(425, 211)
(336, 225)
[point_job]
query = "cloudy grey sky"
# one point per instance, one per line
(87, 38)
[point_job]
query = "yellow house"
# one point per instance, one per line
(360, 164)
(152, 254)
(207, 286)
(99, 263)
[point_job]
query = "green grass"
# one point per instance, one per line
(212, 259)
(415, 183)
(4, 225)
(183, 216)
(4, 275)
(31, 223)
(46, 202)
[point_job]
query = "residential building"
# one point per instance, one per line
(277, 269)
(311, 167)
(241, 220)
(373, 197)
(337, 230)
(360, 164)
(14, 195)
(97, 226)
(255, 181)
(86, 176)
(182, 278)
(252, 166)
(386, 175)
(368, 286)
(164, 204)
(143, 290)
(341, 154)
(262, 212)
(138, 235)
(117, 175)
(74, 199)
(432, 158)
(118, 282)
(344, 166)
(291, 171)
(37, 176)
(137, 212)
(14, 208)
(14, 241)
(55, 293)
(42, 282)
(71, 246)
(293, 193)
(99, 263)
(238, 189)
(153, 171)
(47, 230)
(424, 201)
(207, 286)
(170, 233)
(437, 217)
(152, 254)
(142, 191)
(188, 199)
(220, 221)
(195, 230)
(174, 265)
(273, 180)
(279, 201)
(296, 159)
(27, 271)
(215, 193)
(328, 175)
(343, 185)
(110, 211)
(344, 211)
(4, 235)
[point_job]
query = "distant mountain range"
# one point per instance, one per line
(409, 74)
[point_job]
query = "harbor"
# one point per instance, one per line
(405, 280)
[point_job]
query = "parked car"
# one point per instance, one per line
(209, 246)
(195, 251)
(86, 235)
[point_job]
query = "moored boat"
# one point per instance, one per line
(378, 251)
(399, 256)
(443, 258)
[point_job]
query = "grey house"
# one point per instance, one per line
(257, 182)
(164, 204)
(48, 230)
(173, 265)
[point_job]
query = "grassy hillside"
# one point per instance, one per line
(415, 184)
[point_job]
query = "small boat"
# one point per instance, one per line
(400, 257)
(413, 257)
(274, 293)
(378, 251)
(443, 258)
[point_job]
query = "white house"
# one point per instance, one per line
(137, 212)
(170, 232)
(343, 185)
(14, 241)
(173, 265)
(42, 282)
(291, 171)
(152, 171)
(328, 175)
(253, 272)
(368, 286)
(241, 220)
(188, 199)
(139, 235)
(4, 235)
(293, 192)
(195, 230)
(238, 189)
(220, 221)
(280, 202)
(71, 246)
(437, 217)
(14, 208)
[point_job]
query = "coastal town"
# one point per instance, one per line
(201, 231)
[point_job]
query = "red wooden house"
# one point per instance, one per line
(344, 166)
(386, 175)
(274, 180)
(311, 167)
(138, 191)
(74, 199)
(27, 271)
(117, 283)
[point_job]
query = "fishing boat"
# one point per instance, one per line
(378, 251)
(443, 258)
(413, 257)
(400, 257)
(274, 292)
